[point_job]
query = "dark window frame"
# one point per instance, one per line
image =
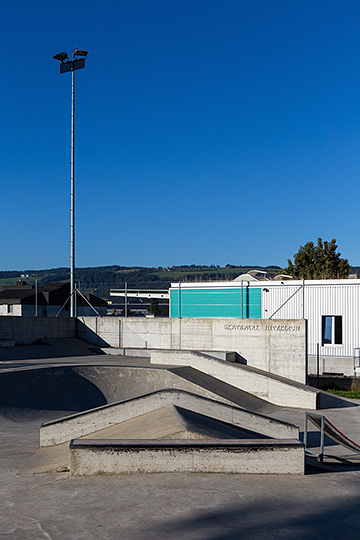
(331, 330)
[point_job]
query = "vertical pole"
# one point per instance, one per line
(322, 439)
(72, 226)
(305, 430)
(242, 301)
(126, 300)
(317, 366)
(179, 315)
(36, 298)
(303, 299)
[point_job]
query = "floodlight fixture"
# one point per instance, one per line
(80, 52)
(61, 56)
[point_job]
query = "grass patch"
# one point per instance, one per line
(354, 394)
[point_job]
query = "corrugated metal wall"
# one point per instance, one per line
(216, 302)
(277, 300)
(319, 300)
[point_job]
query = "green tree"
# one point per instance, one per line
(321, 261)
(154, 306)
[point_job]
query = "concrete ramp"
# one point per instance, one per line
(170, 422)
(174, 422)
(81, 424)
(264, 385)
(223, 390)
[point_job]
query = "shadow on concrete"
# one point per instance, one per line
(268, 518)
(90, 335)
(235, 395)
(314, 437)
(217, 429)
(48, 348)
(331, 464)
(331, 401)
(49, 389)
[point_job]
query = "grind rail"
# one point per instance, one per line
(326, 428)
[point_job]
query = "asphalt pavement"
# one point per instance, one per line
(323, 503)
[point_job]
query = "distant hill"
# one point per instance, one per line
(101, 279)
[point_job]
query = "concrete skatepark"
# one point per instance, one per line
(163, 505)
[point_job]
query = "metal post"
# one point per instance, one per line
(126, 300)
(36, 298)
(322, 439)
(303, 300)
(72, 227)
(317, 366)
(179, 315)
(242, 301)
(305, 430)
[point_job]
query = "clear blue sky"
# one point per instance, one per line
(207, 132)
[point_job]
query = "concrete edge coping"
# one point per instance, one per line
(126, 351)
(62, 362)
(105, 444)
(229, 356)
(163, 391)
(246, 367)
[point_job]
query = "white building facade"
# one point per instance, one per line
(331, 307)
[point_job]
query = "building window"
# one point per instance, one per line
(331, 330)
(10, 308)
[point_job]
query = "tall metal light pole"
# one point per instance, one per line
(65, 66)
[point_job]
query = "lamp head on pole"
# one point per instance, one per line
(67, 65)
(61, 56)
(80, 52)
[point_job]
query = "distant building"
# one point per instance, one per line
(22, 300)
(331, 307)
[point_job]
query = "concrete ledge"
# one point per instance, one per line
(223, 355)
(273, 388)
(80, 424)
(146, 353)
(139, 353)
(93, 457)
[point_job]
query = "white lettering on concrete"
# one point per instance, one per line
(282, 328)
(241, 326)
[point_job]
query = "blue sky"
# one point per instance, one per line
(207, 132)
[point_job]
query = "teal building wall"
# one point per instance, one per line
(216, 302)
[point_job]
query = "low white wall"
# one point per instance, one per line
(261, 384)
(277, 347)
(332, 364)
(93, 457)
(78, 425)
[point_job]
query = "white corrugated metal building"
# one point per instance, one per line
(331, 307)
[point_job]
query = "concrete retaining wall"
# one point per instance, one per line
(92, 457)
(332, 364)
(26, 330)
(78, 425)
(275, 389)
(278, 348)
(119, 383)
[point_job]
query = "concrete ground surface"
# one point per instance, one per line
(166, 506)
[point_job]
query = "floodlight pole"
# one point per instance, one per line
(65, 66)
(72, 212)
